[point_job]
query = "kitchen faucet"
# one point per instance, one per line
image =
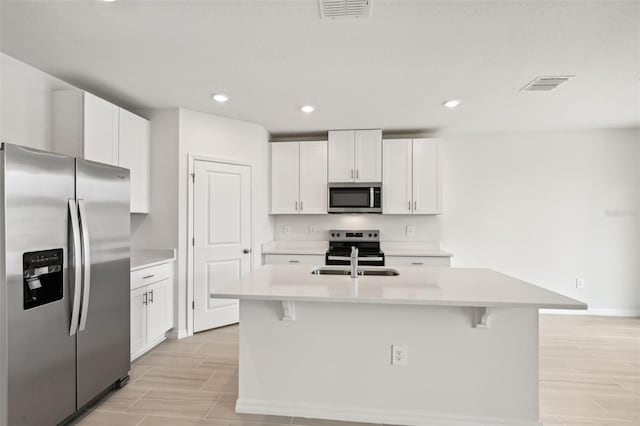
(354, 262)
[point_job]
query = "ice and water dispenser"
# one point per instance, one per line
(42, 277)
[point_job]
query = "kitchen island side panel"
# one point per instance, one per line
(334, 361)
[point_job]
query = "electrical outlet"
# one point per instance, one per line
(579, 282)
(399, 354)
(411, 231)
(285, 229)
(312, 229)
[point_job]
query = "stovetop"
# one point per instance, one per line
(366, 241)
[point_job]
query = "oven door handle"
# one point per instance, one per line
(360, 258)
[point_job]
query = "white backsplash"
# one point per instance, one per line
(392, 227)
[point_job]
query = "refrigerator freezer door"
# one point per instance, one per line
(103, 336)
(41, 355)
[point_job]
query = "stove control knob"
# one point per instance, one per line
(369, 235)
(375, 235)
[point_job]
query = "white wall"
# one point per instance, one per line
(26, 104)
(392, 227)
(159, 228)
(547, 208)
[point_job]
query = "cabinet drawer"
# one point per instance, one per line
(417, 261)
(151, 275)
(293, 259)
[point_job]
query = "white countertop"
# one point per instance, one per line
(141, 259)
(414, 286)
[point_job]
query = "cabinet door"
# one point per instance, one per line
(100, 133)
(313, 177)
(427, 185)
(341, 156)
(397, 197)
(133, 154)
(158, 310)
(368, 155)
(285, 177)
(138, 321)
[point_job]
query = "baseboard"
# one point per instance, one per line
(177, 334)
(396, 417)
(594, 312)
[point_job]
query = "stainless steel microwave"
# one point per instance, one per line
(355, 197)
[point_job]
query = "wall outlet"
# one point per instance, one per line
(285, 229)
(399, 354)
(312, 229)
(579, 282)
(411, 231)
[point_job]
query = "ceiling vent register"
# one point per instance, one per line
(546, 83)
(332, 9)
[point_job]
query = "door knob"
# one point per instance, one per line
(246, 251)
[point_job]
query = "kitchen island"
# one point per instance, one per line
(465, 345)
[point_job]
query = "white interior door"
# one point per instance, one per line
(313, 177)
(397, 197)
(222, 238)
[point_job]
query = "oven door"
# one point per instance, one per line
(355, 198)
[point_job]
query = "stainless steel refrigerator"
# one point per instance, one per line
(64, 295)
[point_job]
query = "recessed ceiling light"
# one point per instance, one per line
(452, 103)
(308, 109)
(109, 1)
(219, 97)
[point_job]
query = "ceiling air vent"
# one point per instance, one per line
(545, 84)
(332, 9)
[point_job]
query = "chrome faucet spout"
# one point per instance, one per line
(354, 262)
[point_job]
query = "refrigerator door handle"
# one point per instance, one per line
(86, 265)
(77, 266)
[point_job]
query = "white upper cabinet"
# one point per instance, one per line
(412, 182)
(133, 142)
(397, 177)
(427, 180)
(341, 156)
(313, 177)
(100, 130)
(299, 177)
(355, 155)
(368, 155)
(285, 177)
(88, 127)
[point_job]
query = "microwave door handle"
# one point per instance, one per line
(371, 197)
(86, 265)
(77, 266)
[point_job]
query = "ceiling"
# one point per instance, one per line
(391, 71)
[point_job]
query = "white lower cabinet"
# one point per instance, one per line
(151, 307)
(294, 259)
(401, 261)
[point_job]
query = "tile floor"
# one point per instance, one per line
(589, 375)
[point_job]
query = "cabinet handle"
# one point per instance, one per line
(151, 296)
(144, 299)
(296, 206)
(148, 276)
(415, 205)
(351, 173)
(357, 173)
(300, 205)
(294, 261)
(417, 263)
(409, 205)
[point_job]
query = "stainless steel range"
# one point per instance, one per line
(366, 241)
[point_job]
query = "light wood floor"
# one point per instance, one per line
(589, 375)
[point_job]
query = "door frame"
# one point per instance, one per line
(192, 158)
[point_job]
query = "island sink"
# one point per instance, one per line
(382, 272)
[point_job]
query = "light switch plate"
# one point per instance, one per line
(411, 231)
